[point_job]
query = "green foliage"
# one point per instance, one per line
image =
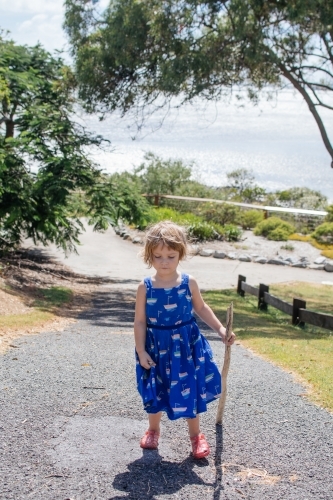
(159, 176)
(329, 216)
(136, 52)
(299, 197)
(220, 213)
(232, 232)
(43, 156)
(197, 227)
(251, 218)
(274, 228)
(324, 233)
(55, 296)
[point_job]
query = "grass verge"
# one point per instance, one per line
(307, 352)
(43, 311)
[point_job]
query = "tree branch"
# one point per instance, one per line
(312, 108)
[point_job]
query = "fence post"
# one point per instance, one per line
(297, 305)
(239, 285)
(156, 200)
(261, 298)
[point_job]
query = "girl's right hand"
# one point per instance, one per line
(145, 360)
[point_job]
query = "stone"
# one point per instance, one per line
(244, 258)
(206, 252)
(260, 260)
(137, 239)
(126, 236)
(219, 254)
(194, 250)
(278, 262)
(319, 268)
(329, 266)
(320, 261)
(232, 256)
(303, 259)
(299, 264)
(292, 260)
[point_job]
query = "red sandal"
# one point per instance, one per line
(200, 447)
(150, 440)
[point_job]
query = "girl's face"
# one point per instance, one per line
(165, 259)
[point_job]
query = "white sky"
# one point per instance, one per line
(32, 21)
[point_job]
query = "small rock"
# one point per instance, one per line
(329, 266)
(278, 262)
(219, 254)
(137, 239)
(292, 260)
(126, 236)
(244, 258)
(320, 260)
(195, 249)
(232, 256)
(299, 264)
(303, 259)
(260, 260)
(319, 268)
(206, 252)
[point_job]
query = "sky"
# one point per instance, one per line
(32, 21)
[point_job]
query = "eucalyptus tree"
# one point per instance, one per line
(137, 53)
(44, 154)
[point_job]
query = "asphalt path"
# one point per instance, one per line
(71, 419)
(106, 254)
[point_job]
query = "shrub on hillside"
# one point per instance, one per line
(205, 231)
(274, 228)
(324, 233)
(251, 218)
(329, 216)
(220, 213)
(232, 232)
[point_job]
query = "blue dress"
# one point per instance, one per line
(186, 377)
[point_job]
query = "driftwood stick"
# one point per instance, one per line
(226, 364)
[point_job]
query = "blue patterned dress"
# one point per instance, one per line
(186, 377)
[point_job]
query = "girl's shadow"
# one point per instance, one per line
(151, 476)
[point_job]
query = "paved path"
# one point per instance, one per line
(70, 417)
(70, 422)
(108, 255)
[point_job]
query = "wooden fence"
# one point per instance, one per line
(297, 310)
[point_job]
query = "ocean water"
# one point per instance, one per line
(278, 140)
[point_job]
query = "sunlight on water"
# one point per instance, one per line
(279, 141)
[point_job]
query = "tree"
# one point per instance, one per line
(134, 52)
(44, 152)
(241, 183)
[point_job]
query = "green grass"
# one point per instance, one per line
(42, 310)
(307, 352)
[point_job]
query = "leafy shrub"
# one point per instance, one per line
(250, 218)
(329, 216)
(274, 228)
(205, 231)
(324, 233)
(232, 232)
(220, 214)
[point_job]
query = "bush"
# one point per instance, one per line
(324, 233)
(251, 218)
(274, 228)
(220, 214)
(205, 231)
(232, 233)
(329, 216)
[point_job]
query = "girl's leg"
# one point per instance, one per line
(154, 421)
(200, 447)
(193, 426)
(150, 438)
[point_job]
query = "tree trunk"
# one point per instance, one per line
(9, 128)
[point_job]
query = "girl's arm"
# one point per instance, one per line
(140, 328)
(206, 314)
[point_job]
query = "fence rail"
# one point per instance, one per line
(265, 208)
(297, 310)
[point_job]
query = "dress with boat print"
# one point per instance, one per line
(186, 377)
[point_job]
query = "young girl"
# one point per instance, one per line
(176, 372)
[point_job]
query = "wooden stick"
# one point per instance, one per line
(226, 364)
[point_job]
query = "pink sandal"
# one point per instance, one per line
(200, 447)
(150, 440)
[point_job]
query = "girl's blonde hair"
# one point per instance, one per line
(169, 234)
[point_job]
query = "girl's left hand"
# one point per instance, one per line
(231, 340)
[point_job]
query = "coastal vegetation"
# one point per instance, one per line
(305, 352)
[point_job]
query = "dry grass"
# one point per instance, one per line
(308, 352)
(326, 250)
